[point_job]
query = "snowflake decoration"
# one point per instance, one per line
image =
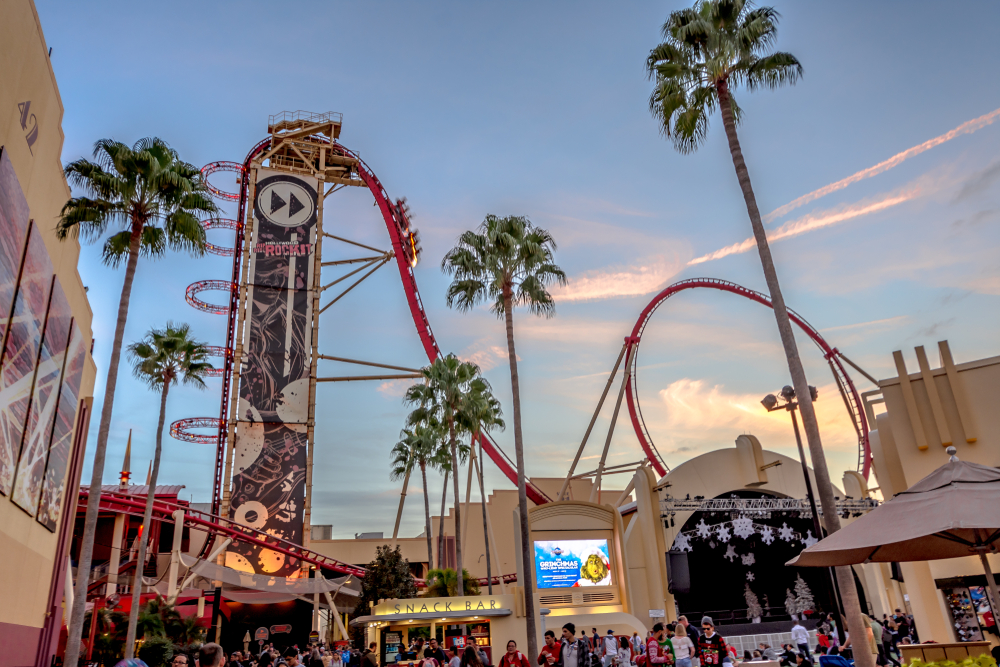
(712, 544)
(743, 527)
(809, 540)
(767, 535)
(723, 533)
(731, 553)
(748, 559)
(786, 533)
(703, 529)
(750, 576)
(682, 543)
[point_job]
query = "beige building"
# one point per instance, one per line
(47, 373)
(923, 413)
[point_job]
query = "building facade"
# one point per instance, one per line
(46, 368)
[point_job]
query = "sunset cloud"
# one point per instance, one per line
(965, 128)
(692, 411)
(641, 277)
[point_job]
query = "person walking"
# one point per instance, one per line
(549, 655)
(513, 657)
(800, 637)
(637, 643)
(609, 649)
(624, 658)
(658, 648)
(470, 657)
(682, 645)
(711, 647)
(433, 650)
(575, 652)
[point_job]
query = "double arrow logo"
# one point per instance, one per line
(277, 203)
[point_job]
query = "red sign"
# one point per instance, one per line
(260, 634)
(279, 629)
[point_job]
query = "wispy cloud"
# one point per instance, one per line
(635, 279)
(394, 388)
(486, 354)
(965, 128)
(817, 220)
(899, 319)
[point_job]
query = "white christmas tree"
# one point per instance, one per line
(803, 596)
(790, 604)
(753, 606)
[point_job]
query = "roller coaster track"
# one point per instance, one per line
(219, 527)
(396, 218)
(848, 392)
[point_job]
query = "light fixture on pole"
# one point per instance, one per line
(772, 404)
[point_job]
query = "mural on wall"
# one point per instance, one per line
(61, 442)
(20, 354)
(13, 228)
(271, 436)
(39, 378)
(44, 398)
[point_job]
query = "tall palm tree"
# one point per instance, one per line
(419, 445)
(482, 413)
(161, 359)
(443, 394)
(148, 193)
(709, 49)
(508, 262)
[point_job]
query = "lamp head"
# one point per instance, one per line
(787, 393)
(813, 393)
(769, 401)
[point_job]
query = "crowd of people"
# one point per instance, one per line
(677, 644)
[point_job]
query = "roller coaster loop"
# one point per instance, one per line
(219, 223)
(849, 393)
(207, 286)
(214, 167)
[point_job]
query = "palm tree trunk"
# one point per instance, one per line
(486, 533)
(147, 518)
(444, 497)
(845, 578)
(522, 496)
(427, 517)
(458, 509)
(97, 476)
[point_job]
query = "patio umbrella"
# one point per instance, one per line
(953, 512)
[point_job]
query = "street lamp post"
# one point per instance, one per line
(771, 404)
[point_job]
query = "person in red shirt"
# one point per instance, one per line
(658, 648)
(550, 652)
(513, 657)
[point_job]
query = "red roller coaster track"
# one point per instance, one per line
(404, 244)
(848, 391)
(220, 527)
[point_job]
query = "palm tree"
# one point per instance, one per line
(710, 49)
(153, 197)
(444, 583)
(482, 413)
(419, 445)
(162, 358)
(508, 263)
(443, 395)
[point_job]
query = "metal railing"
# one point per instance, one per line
(307, 116)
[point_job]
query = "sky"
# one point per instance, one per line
(877, 175)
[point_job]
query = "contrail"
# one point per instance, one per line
(814, 221)
(965, 128)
